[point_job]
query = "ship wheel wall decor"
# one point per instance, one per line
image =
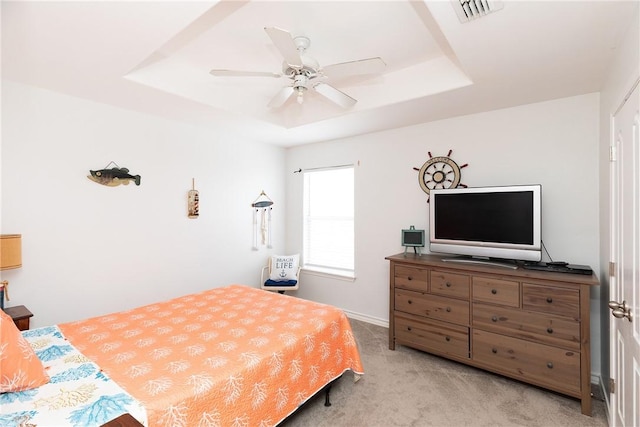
(439, 172)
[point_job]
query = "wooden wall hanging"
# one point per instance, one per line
(193, 201)
(439, 172)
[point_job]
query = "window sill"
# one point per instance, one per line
(348, 276)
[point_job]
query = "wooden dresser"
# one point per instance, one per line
(528, 325)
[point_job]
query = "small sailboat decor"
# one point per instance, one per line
(114, 176)
(262, 206)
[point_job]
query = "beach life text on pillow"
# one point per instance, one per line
(284, 267)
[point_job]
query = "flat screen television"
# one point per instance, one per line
(487, 222)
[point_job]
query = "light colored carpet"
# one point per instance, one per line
(407, 387)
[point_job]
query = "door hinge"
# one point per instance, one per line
(612, 154)
(612, 269)
(612, 385)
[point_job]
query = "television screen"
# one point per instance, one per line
(498, 222)
(494, 217)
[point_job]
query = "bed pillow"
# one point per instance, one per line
(20, 368)
(284, 267)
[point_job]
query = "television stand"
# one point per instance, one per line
(482, 261)
(532, 326)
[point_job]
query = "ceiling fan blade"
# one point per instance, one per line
(240, 73)
(284, 43)
(281, 97)
(333, 94)
(363, 66)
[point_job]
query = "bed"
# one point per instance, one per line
(230, 356)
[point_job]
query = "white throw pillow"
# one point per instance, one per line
(284, 267)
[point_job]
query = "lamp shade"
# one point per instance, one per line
(10, 251)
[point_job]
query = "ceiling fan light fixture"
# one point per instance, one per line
(300, 96)
(304, 72)
(300, 82)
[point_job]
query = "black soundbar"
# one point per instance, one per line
(568, 268)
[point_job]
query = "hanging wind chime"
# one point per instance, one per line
(262, 208)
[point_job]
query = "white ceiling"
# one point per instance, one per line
(155, 57)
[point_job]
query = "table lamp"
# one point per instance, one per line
(10, 258)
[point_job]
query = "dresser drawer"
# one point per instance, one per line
(496, 291)
(449, 284)
(548, 299)
(539, 364)
(553, 330)
(432, 335)
(432, 306)
(411, 278)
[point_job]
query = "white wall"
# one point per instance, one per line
(89, 249)
(623, 72)
(552, 143)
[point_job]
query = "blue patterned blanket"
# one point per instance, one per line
(78, 395)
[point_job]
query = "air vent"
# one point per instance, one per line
(468, 10)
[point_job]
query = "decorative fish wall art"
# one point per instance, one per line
(114, 176)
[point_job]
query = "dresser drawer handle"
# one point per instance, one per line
(549, 330)
(494, 350)
(550, 365)
(494, 291)
(448, 285)
(409, 278)
(447, 339)
(448, 309)
(549, 300)
(408, 328)
(494, 319)
(410, 302)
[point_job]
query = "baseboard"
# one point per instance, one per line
(599, 391)
(368, 319)
(597, 388)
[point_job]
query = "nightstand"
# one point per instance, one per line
(20, 315)
(124, 420)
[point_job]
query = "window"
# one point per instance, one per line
(328, 231)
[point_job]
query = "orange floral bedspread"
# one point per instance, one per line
(231, 356)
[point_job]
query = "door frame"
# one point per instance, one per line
(614, 253)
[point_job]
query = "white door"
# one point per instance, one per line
(625, 251)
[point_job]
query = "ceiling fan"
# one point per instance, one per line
(305, 73)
